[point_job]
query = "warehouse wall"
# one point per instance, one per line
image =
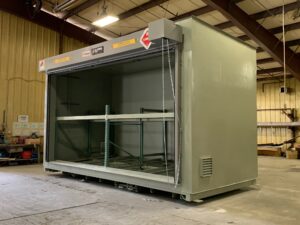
(22, 45)
(269, 96)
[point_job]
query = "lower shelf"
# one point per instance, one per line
(13, 159)
(153, 166)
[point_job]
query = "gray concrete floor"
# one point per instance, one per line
(30, 196)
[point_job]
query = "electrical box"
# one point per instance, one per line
(285, 90)
(172, 107)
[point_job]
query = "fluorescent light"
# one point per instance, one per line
(105, 21)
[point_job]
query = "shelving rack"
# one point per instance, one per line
(14, 156)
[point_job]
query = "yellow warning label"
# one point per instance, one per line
(124, 43)
(62, 60)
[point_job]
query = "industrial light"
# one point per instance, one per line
(105, 21)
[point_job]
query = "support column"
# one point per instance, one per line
(106, 140)
(141, 140)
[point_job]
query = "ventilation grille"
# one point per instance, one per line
(206, 167)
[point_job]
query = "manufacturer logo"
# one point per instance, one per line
(86, 53)
(97, 50)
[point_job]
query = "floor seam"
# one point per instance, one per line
(50, 211)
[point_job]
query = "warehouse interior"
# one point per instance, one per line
(92, 140)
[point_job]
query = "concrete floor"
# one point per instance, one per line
(29, 196)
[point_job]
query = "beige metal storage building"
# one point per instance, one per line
(178, 115)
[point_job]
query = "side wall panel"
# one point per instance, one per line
(222, 90)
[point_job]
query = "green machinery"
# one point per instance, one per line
(172, 108)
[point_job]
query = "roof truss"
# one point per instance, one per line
(258, 33)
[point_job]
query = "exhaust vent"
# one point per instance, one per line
(206, 167)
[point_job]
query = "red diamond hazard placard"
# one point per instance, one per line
(144, 40)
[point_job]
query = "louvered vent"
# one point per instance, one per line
(206, 167)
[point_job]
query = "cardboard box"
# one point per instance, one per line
(269, 151)
(297, 147)
(298, 150)
(291, 154)
(32, 141)
(15, 150)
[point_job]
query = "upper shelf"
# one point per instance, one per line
(120, 117)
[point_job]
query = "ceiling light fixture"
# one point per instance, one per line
(105, 21)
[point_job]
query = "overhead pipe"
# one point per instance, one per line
(62, 6)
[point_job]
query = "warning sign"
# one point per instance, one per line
(41, 65)
(144, 40)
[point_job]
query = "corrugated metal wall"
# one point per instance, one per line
(22, 45)
(269, 97)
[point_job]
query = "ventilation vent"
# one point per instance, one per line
(206, 167)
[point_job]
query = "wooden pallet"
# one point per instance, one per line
(269, 151)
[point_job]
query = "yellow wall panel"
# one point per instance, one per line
(22, 45)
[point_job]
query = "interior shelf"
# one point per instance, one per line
(120, 117)
(278, 124)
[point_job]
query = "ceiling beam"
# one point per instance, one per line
(198, 11)
(18, 8)
(152, 3)
(287, 44)
(271, 70)
(277, 77)
(148, 5)
(260, 15)
(268, 60)
(79, 8)
(131, 12)
(258, 33)
(264, 14)
(276, 30)
(265, 60)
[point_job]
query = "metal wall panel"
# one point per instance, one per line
(22, 45)
(269, 96)
(218, 108)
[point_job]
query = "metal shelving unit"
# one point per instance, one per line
(14, 156)
(153, 115)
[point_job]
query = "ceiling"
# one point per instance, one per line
(136, 14)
